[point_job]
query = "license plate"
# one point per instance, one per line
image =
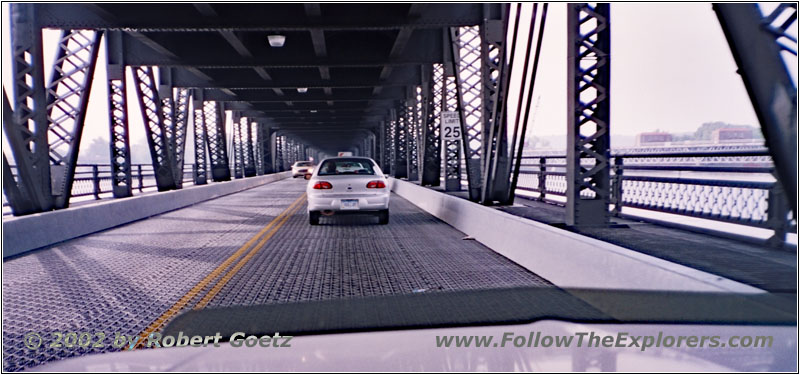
(349, 204)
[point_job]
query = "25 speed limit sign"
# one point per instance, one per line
(451, 126)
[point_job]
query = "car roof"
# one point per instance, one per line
(348, 157)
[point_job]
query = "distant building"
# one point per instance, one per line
(728, 135)
(653, 138)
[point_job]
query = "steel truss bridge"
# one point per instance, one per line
(373, 85)
(265, 85)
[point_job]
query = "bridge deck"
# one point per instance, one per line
(124, 279)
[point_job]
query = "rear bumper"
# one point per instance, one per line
(369, 203)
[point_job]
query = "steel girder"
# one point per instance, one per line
(119, 136)
(495, 161)
(200, 171)
(588, 141)
(264, 149)
(27, 126)
(214, 125)
(452, 149)
(757, 43)
(400, 143)
(67, 100)
(256, 17)
(178, 132)
(380, 139)
(466, 48)
(249, 160)
(413, 118)
(389, 145)
(279, 153)
(431, 168)
(238, 146)
(157, 139)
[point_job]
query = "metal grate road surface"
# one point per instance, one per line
(121, 281)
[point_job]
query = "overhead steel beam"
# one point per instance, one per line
(756, 43)
(253, 17)
(342, 95)
(234, 79)
(151, 49)
(588, 114)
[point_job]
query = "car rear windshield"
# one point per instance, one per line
(303, 164)
(346, 166)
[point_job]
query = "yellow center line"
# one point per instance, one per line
(224, 280)
(192, 293)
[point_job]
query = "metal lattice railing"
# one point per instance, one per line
(734, 187)
(94, 181)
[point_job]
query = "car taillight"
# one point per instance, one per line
(377, 184)
(323, 185)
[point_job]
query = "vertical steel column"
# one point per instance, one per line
(249, 159)
(431, 153)
(157, 138)
(466, 48)
(380, 144)
(412, 129)
(181, 124)
(588, 141)
(400, 134)
(256, 130)
(119, 145)
(26, 130)
(757, 43)
(238, 152)
(168, 117)
(451, 102)
(388, 144)
(496, 164)
(266, 148)
(277, 162)
(214, 125)
(67, 100)
(198, 123)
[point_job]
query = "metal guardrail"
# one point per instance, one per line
(95, 180)
(733, 187)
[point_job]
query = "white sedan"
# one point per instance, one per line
(347, 185)
(301, 168)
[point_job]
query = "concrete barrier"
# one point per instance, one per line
(566, 259)
(25, 233)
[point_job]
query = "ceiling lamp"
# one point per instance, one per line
(276, 40)
(302, 90)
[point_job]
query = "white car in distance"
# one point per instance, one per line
(348, 185)
(302, 168)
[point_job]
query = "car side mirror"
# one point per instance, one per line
(307, 176)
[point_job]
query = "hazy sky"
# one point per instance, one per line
(671, 70)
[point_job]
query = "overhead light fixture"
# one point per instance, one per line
(302, 90)
(313, 111)
(276, 40)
